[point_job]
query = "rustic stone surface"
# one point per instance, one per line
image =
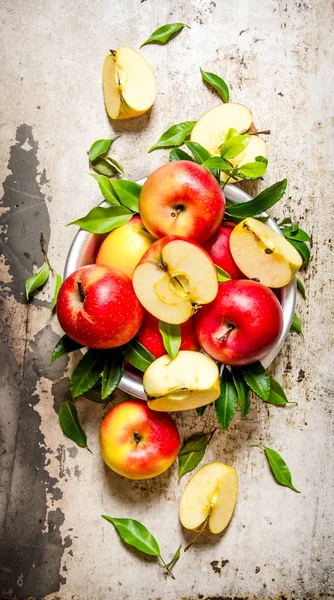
(277, 58)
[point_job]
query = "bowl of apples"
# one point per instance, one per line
(227, 288)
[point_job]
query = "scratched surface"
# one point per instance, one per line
(277, 57)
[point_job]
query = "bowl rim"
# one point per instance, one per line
(131, 382)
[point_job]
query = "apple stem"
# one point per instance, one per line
(226, 334)
(198, 534)
(264, 132)
(136, 437)
(112, 52)
(81, 292)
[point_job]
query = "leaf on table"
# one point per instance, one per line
(174, 136)
(296, 326)
(137, 355)
(303, 250)
(99, 148)
(37, 280)
(70, 424)
(294, 232)
(260, 203)
(103, 219)
(104, 167)
(279, 468)
(227, 402)
(192, 452)
(301, 287)
(87, 372)
(171, 337)
(135, 534)
(257, 379)
(164, 33)
(276, 395)
(115, 163)
(64, 346)
(175, 558)
(127, 193)
(58, 282)
(106, 188)
(112, 372)
(242, 391)
(217, 83)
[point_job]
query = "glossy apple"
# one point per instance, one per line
(150, 337)
(182, 198)
(218, 248)
(94, 304)
(241, 324)
(138, 442)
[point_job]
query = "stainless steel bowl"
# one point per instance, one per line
(83, 252)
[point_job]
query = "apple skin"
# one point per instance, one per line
(137, 442)
(182, 198)
(96, 314)
(256, 315)
(153, 253)
(218, 248)
(150, 337)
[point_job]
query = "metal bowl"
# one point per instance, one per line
(83, 252)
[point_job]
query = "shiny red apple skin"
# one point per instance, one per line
(150, 337)
(182, 198)
(138, 442)
(253, 310)
(96, 312)
(218, 248)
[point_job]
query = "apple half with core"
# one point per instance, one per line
(137, 442)
(218, 248)
(262, 253)
(209, 498)
(182, 198)
(94, 304)
(128, 84)
(150, 337)
(241, 324)
(188, 381)
(174, 278)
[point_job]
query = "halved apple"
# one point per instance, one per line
(211, 129)
(188, 381)
(128, 84)
(263, 254)
(209, 498)
(174, 278)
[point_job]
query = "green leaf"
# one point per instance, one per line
(102, 220)
(59, 281)
(69, 422)
(217, 83)
(87, 372)
(218, 163)
(226, 404)
(103, 166)
(112, 372)
(199, 153)
(252, 170)
(106, 188)
(99, 148)
(127, 192)
(296, 326)
(171, 336)
(192, 452)
(277, 395)
(261, 203)
(137, 355)
(234, 146)
(175, 557)
(201, 410)
(178, 154)
(261, 159)
(257, 379)
(279, 468)
(222, 275)
(64, 346)
(242, 391)
(115, 163)
(301, 287)
(303, 250)
(135, 534)
(296, 233)
(36, 281)
(174, 136)
(163, 34)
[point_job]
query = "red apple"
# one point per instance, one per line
(182, 198)
(150, 336)
(218, 248)
(98, 308)
(138, 442)
(241, 324)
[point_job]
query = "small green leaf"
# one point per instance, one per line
(276, 395)
(106, 188)
(137, 355)
(135, 534)
(103, 220)
(178, 154)
(296, 233)
(99, 148)
(174, 136)
(301, 287)
(234, 146)
(252, 170)
(222, 275)
(303, 250)
(36, 281)
(217, 83)
(192, 452)
(262, 159)
(286, 221)
(226, 404)
(115, 163)
(112, 372)
(175, 557)
(59, 281)
(199, 153)
(261, 203)
(257, 379)
(69, 422)
(87, 372)
(163, 34)
(242, 391)
(296, 326)
(64, 346)
(171, 336)
(218, 163)
(127, 192)
(201, 410)
(103, 167)
(279, 468)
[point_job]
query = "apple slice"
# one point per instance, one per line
(175, 277)
(209, 498)
(263, 254)
(128, 84)
(188, 381)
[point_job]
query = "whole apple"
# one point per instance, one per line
(150, 337)
(218, 248)
(137, 442)
(182, 198)
(241, 324)
(94, 305)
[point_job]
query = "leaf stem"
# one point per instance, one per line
(198, 533)
(165, 566)
(46, 258)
